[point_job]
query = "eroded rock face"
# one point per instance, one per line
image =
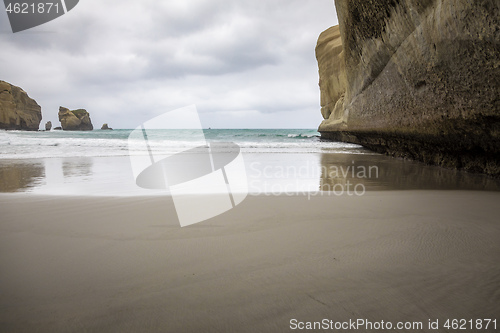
(75, 120)
(333, 81)
(422, 80)
(17, 110)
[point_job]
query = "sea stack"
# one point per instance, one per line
(48, 126)
(75, 120)
(106, 127)
(416, 79)
(17, 110)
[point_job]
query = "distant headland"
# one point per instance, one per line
(17, 110)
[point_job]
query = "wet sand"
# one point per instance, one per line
(266, 173)
(108, 264)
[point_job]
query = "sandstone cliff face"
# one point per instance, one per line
(75, 120)
(422, 80)
(17, 110)
(332, 75)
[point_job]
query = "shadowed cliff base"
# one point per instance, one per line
(418, 80)
(374, 172)
(440, 151)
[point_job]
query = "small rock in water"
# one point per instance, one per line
(105, 127)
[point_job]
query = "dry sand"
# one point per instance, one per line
(75, 264)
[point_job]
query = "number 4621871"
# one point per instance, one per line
(25, 8)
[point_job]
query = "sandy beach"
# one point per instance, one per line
(351, 150)
(108, 264)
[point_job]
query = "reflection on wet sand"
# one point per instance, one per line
(26, 175)
(326, 172)
(20, 175)
(77, 167)
(378, 172)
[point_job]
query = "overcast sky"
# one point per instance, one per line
(244, 64)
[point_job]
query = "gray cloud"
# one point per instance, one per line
(243, 59)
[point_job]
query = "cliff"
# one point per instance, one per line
(422, 80)
(75, 120)
(17, 110)
(331, 65)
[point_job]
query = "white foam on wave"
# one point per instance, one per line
(23, 145)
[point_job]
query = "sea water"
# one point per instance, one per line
(277, 161)
(99, 143)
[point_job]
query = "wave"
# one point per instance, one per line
(301, 136)
(22, 145)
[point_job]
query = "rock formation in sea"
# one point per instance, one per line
(75, 120)
(17, 110)
(105, 127)
(48, 126)
(417, 79)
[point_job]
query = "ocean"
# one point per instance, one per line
(99, 143)
(277, 161)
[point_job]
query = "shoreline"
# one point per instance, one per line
(124, 264)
